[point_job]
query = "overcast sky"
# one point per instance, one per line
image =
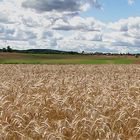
(76, 25)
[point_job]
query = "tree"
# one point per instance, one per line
(9, 49)
(137, 56)
(4, 50)
(83, 52)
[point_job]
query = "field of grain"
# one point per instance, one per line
(69, 102)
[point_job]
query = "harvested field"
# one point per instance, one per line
(69, 102)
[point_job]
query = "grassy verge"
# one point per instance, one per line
(67, 61)
(64, 59)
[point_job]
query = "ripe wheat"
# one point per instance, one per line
(69, 102)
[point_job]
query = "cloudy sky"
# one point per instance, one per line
(76, 25)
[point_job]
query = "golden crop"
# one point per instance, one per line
(69, 102)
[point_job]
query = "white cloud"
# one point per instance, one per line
(124, 33)
(60, 5)
(89, 36)
(78, 23)
(65, 29)
(130, 2)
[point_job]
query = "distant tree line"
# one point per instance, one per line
(51, 51)
(7, 49)
(39, 51)
(111, 54)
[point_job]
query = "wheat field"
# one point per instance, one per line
(69, 102)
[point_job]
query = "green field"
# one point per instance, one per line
(20, 58)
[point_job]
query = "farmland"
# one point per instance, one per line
(25, 58)
(69, 102)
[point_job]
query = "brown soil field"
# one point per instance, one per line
(69, 102)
